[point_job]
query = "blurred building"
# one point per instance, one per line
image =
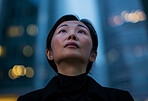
(125, 36)
(18, 30)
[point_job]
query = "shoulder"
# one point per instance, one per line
(38, 95)
(118, 94)
(111, 93)
(31, 96)
(114, 90)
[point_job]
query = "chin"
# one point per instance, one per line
(73, 56)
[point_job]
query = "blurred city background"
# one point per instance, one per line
(122, 29)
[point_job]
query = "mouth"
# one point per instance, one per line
(71, 44)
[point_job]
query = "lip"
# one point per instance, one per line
(71, 44)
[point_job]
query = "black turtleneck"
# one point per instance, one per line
(73, 88)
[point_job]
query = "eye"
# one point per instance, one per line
(81, 31)
(62, 31)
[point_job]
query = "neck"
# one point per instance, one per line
(71, 68)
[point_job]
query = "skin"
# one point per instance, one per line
(71, 60)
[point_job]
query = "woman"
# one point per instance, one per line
(71, 50)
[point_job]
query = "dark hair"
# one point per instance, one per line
(70, 18)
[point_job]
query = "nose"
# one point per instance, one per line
(72, 37)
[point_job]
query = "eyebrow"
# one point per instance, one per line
(77, 25)
(82, 26)
(62, 26)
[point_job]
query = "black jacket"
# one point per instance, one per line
(87, 89)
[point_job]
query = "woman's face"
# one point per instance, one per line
(71, 40)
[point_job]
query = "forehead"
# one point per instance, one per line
(72, 23)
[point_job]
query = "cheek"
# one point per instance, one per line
(87, 48)
(56, 44)
(88, 44)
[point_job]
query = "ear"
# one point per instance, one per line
(49, 54)
(93, 56)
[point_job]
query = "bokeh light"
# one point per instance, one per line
(15, 31)
(126, 16)
(27, 51)
(1, 51)
(32, 30)
(118, 20)
(29, 72)
(133, 17)
(20, 70)
(11, 75)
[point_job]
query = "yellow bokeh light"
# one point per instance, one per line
(134, 16)
(1, 50)
(27, 51)
(15, 31)
(126, 17)
(142, 16)
(11, 75)
(20, 70)
(29, 72)
(14, 70)
(32, 29)
(130, 17)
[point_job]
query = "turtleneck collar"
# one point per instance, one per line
(72, 83)
(74, 88)
(62, 76)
